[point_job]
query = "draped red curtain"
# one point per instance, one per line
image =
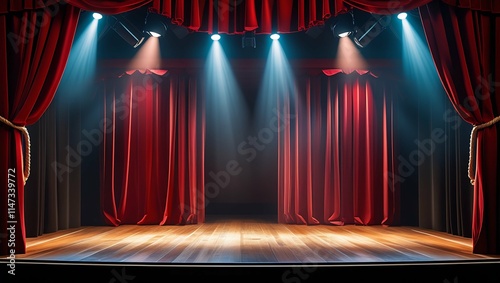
(153, 150)
(108, 6)
(385, 7)
(336, 152)
(36, 42)
(239, 16)
(465, 44)
(268, 16)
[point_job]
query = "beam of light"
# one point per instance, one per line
(79, 73)
(97, 16)
(215, 37)
(277, 86)
(417, 60)
(349, 57)
(148, 56)
(227, 117)
(423, 83)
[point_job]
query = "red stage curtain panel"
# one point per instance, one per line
(478, 5)
(239, 16)
(268, 16)
(153, 150)
(465, 45)
(336, 152)
(33, 54)
(385, 7)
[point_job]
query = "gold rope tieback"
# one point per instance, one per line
(27, 146)
(472, 149)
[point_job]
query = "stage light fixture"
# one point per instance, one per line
(215, 37)
(248, 40)
(155, 24)
(344, 25)
(370, 30)
(275, 36)
(128, 31)
(97, 16)
(402, 16)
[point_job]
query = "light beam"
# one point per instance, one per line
(417, 60)
(349, 57)
(80, 69)
(148, 56)
(227, 113)
(278, 86)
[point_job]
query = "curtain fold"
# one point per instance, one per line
(239, 16)
(336, 158)
(153, 150)
(53, 193)
(477, 5)
(32, 61)
(444, 193)
(268, 16)
(108, 6)
(383, 7)
(464, 43)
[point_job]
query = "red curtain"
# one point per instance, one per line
(33, 55)
(238, 16)
(153, 150)
(268, 16)
(465, 44)
(385, 7)
(108, 6)
(336, 152)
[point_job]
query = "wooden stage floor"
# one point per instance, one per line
(250, 242)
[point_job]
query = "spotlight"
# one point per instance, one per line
(97, 16)
(215, 37)
(402, 16)
(370, 30)
(154, 34)
(155, 24)
(275, 36)
(248, 40)
(344, 25)
(344, 34)
(126, 30)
